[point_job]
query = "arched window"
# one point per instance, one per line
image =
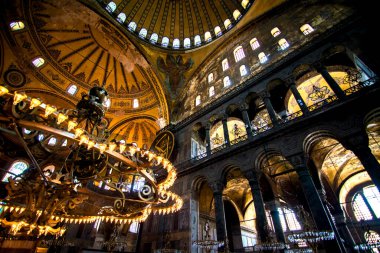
(289, 221)
(176, 43)
(366, 203)
(225, 65)
(243, 70)
(227, 24)
(208, 36)
(154, 38)
(372, 238)
(17, 25)
(275, 32)
(121, 17)
(134, 227)
(197, 40)
(262, 57)
(236, 14)
(52, 141)
(132, 26)
(283, 44)
(111, 7)
(210, 78)
(165, 41)
(38, 62)
(72, 89)
(211, 91)
(217, 31)
(239, 53)
(135, 103)
(198, 100)
(244, 3)
(254, 43)
(186, 43)
(226, 81)
(306, 29)
(17, 168)
(143, 32)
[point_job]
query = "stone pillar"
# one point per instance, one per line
(330, 80)
(208, 141)
(318, 212)
(262, 227)
(268, 105)
(225, 131)
(221, 229)
(273, 207)
(358, 144)
(194, 218)
(247, 121)
(292, 86)
(344, 232)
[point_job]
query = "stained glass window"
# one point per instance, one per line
(17, 168)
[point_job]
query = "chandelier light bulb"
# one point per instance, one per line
(34, 103)
(18, 97)
(3, 91)
(61, 118)
(159, 159)
(132, 150)
(49, 110)
(83, 139)
(90, 144)
(102, 147)
(71, 125)
(150, 156)
(122, 147)
(78, 132)
(112, 146)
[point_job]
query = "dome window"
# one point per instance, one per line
(208, 36)
(121, 17)
(135, 103)
(165, 42)
(236, 14)
(275, 32)
(38, 62)
(217, 31)
(306, 29)
(111, 7)
(17, 25)
(186, 43)
(176, 43)
(198, 100)
(143, 32)
(227, 24)
(132, 26)
(154, 38)
(197, 40)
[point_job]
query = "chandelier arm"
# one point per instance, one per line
(30, 154)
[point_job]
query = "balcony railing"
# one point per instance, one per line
(239, 139)
(219, 148)
(323, 102)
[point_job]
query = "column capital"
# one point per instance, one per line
(264, 94)
(356, 141)
(290, 81)
(318, 66)
(224, 116)
(208, 126)
(217, 187)
(243, 107)
(298, 161)
(251, 175)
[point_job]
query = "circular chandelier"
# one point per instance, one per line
(135, 181)
(270, 246)
(207, 243)
(311, 236)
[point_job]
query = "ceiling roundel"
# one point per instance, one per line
(177, 24)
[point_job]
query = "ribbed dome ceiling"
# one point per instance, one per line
(178, 20)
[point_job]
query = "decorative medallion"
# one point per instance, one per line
(163, 144)
(14, 78)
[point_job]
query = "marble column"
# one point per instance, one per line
(318, 212)
(208, 141)
(247, 121)
(292, 86)
(225, 131)
(268, 105)
(262, 227)
(321, 69)
(358, 143)
(221, 229)
(273, 207)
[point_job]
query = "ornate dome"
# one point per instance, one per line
(177, 24)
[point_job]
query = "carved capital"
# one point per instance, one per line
(290, 81)
(318, 66)
(264, 94)
(356, 142)
(224, 116)
(217, 187)
(243, 107)
(298, 161)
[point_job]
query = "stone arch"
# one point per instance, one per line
(301, 70)
(277, 90)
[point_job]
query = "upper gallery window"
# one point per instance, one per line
(18, 167)
(226, 81)
(262, 57)
(225, 65)
(72, 89)
(254, 43)
(236, 14)
(197, 40)
(227, 24)
(186, 43)
(135, 103)
(154, 38)
(210, 77)
(17, 25)
(143, 32)
(165, 41)
(198, 100)
(306, 29)
(211, 91)
(121, 17)
(111, 7)
(132, 26)
(275, 32)
(283, 44)
(217, 31)
(38, 62)
(288, 219)
(243, 70)
(208, 36)
(367, 202)
(176, 43)
(239, 53)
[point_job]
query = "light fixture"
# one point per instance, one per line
(207, 243)
(90, 155)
